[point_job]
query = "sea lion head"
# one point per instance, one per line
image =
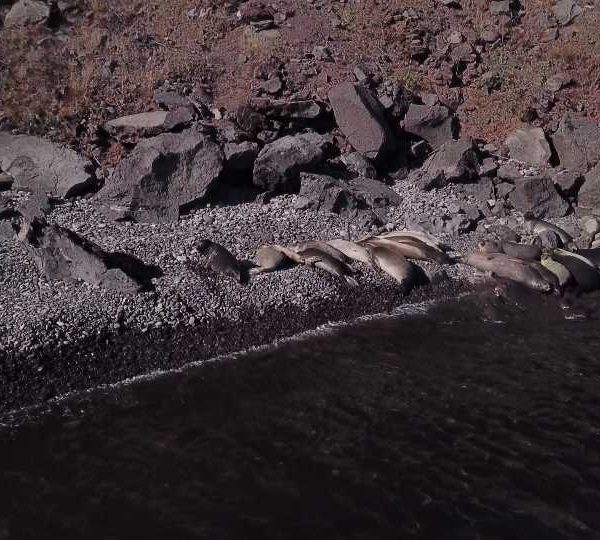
(203, 245)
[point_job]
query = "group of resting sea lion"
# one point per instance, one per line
(389, 252)
(542, 269)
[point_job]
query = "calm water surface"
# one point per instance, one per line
(479, 419)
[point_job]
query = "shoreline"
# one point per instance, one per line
(115, 359)
(59, 337)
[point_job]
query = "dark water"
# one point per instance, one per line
(438, 426)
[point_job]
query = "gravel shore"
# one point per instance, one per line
(59, 337)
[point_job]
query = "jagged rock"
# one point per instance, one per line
(348, 198)
(149, 124)
(172, 100)
(503, 189)
(161, 175)
(240, 157)
(483, 190)
(359, 165)
(577, 143)
(432, 123)
(537, 195)
(62, 254)
(509, 172)
(279, 164)
(565, 11)
(529, 145)
(307, 109)
(26, 12)
(361, 119)
(589, 193)
(455, 161)
(40, 165)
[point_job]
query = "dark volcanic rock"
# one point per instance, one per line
(537, 195)
(287, 110)
(589, 193)
(279, 164)
(455, 161)
(567, 182)
(529, 145)
(577, 143)
(240, 156)
(359, 165)
(349, 198)
(40, 165)
(362, 120)
(162, 175)
(432, 123)
(149, 124)
(61, 254)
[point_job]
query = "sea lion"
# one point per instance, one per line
(584, 272)
(330, 264)
(292, 254)
(536, 226)
(394, 264)
(417, 235)
(558, 269)
(326, 247)
(219, 259)
(525, 252)
(502, 266)
(352, 250)
(490, 246)
(269, 259)
(410, 248)
(546, 275)
(591, 254)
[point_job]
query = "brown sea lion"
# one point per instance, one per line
(219, 259)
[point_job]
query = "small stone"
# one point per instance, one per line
(27, 12)
(272, 86)
(322, 53)
(590, 225)
(455, 38)
(558, 82)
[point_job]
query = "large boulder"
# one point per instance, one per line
(359, 196)
(279, 164)
(454, 162)
(432, 123)
(538, 196)
(27, 12)
(529, 146)
(162, 175)
(362, 120)
(62, 254)
(36, 164)
(577, 143)
(589, 193)
(149, 124)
